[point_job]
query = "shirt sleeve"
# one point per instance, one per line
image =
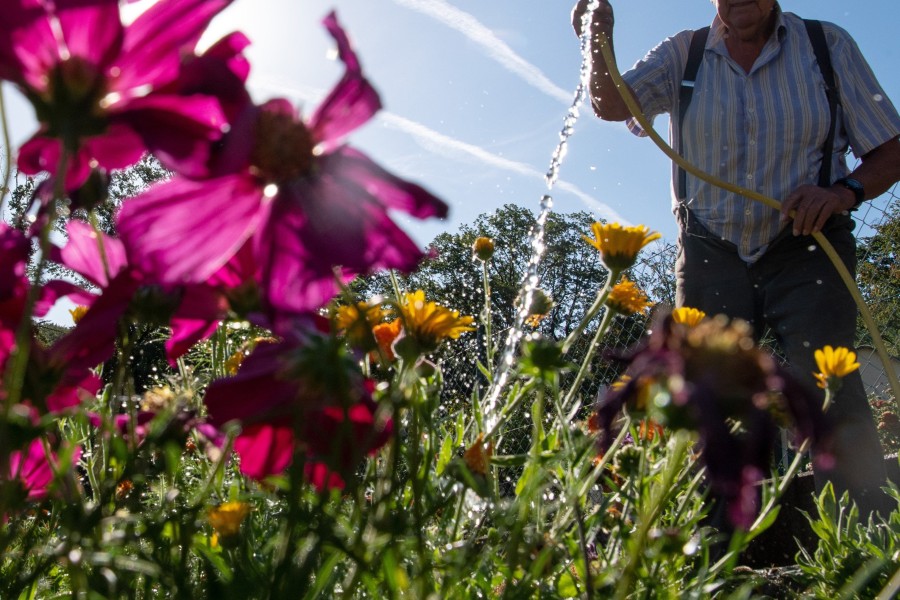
(655, 79)
(868, 116)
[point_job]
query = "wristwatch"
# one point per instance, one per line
(855, 187)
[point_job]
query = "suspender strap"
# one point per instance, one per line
(823, 58)
(695, 57)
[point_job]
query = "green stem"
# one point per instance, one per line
(18, 365)
(589, 355)
(7, 150)
(599, 301)
(486, 316)
(101, 247)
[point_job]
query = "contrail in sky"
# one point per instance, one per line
(451, 147)
(469, 26)
(438, 143)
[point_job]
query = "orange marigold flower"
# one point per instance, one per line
(77, 313)
(688, 316)
(650, 429)
(619, 246)
(478, 456)
(385, 334)
(834, 364)
(626, 298)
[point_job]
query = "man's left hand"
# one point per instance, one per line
(813, 206)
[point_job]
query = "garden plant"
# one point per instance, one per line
(226, 417)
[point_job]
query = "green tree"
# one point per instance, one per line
(878, 277)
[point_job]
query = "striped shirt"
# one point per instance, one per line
(764, 130)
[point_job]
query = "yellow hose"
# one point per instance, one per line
(848, 280)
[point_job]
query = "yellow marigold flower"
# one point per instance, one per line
(356, 321)
(834, 364)
(429, 323)
(226, 518)
(626, 298)
(77, 313)
(619, 246)
(483, 248)
(478, 456)
(688, 316)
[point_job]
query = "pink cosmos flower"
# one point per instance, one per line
(50, 380)
(303, 393)
(33, 469)
(288, 187)
(105, 91)
(193, 311)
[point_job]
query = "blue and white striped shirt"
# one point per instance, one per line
(762, 130)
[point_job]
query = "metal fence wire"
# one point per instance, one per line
(878, 236)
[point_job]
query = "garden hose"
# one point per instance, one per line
(848, 280)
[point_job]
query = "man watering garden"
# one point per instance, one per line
(770, 102)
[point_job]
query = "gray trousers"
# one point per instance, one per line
(795, 291)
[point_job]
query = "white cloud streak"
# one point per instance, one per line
(495, 48)
(439, 143)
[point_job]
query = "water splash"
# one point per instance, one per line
(532, 280)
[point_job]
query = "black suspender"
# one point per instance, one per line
(695, 57)
(823, 58)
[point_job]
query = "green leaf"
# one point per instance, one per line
(445, 454)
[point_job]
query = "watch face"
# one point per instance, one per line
(855, 187)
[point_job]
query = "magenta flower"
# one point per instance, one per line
(49, 382)
(715, 375)
(32, 469)
(105, 91)
(304, 394)
(288, 187)
(193, 311)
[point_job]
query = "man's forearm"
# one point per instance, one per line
(879, 169)
(605, 98)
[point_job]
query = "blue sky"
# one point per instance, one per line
(475, 92)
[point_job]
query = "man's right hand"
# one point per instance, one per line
(601, 21)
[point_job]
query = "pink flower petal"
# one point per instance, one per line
(91, 30)
(350, 103)
(83, 255)
(117, 148)
(265, 449)
(156, 41)
(391, 191)
(177, 129)
(183, 231)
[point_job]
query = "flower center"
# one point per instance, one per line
(284, 148)
(70, 107)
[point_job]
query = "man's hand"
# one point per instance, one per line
(601, 21)
(813, 206)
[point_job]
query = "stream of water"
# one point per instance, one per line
(531, 280)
